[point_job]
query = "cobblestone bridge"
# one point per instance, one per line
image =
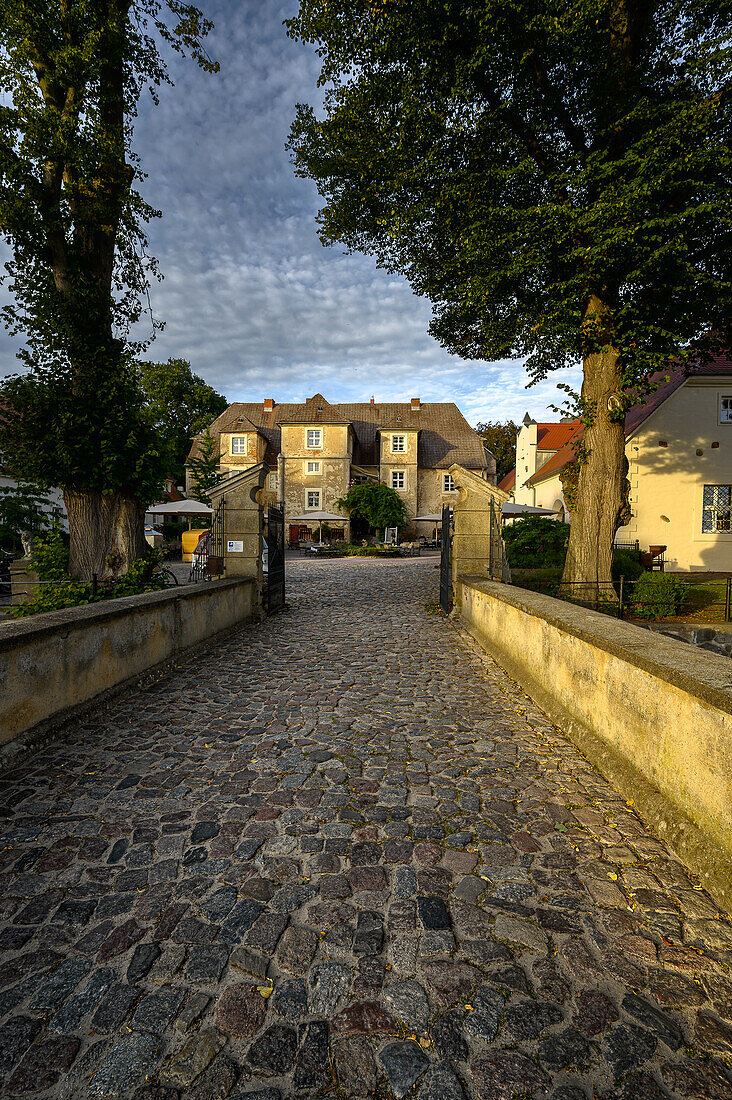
(341, 854)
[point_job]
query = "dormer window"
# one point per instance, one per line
(314, 439)
(238, 444)
(398, 444)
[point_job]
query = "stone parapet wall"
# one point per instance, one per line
(54, 663)
(652, 714)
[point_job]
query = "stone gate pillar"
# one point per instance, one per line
(242, 522)
(471, 543)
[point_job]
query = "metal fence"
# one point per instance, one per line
(695, 599)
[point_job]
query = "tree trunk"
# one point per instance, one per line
(601, 498)
(107, 533)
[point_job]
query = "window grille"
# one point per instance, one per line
(717, 506)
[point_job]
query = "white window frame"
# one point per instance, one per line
(448, 485)
(273, 482)
(399, 474)
(316, 464)
(725, 414)
(317, 439)
(399, 447)
(239, 445)
(318, 494)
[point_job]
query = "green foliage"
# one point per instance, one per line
(545, 580)
(657, 595)
(370, 552)
(53, 597)
(627, 563)
(535, 542)
(51, 556)
(143, 576)
(500, 439)
(179, 405)
(71, 75)
(517, 162)
(204, 468)
(377, 505)
(22, 509)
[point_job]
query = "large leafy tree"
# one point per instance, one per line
(71, 74)
(377, 505)
(180, 405)
(553, 176)
(500, 439)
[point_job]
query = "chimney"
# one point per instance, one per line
(269, 403)
(372, 399)
(416, 403)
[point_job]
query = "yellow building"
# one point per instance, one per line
(679, 451)
(326, 448)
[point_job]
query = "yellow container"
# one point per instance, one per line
(190, 541)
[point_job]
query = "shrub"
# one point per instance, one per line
(657, 595)
(535, 542)
(538, 580)
(53, 597)
(627, 564)
(142, 576)
(50, 558)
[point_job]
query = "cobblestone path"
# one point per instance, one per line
(342, 855)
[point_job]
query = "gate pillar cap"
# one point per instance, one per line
(253, 476)
(469, 482)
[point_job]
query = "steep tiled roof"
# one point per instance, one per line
(316, 410)
(560, 458)
(668, 382)
(445, 435)
(550, 437)
(508, 482)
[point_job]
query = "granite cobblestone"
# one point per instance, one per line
(342, 854)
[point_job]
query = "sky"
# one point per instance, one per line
(250, 296)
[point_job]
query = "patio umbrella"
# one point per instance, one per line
(188, 508)
(320, 518)
(179, 508)
(510, 509)
(430, 517)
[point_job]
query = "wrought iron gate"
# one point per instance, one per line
(207, 559)
(275, 542)
(498, 569)
(446, 560)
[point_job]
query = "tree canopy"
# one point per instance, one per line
(515, 159)
(179, 405)
(377, 505)
(500, 439)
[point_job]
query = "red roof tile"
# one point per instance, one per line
(508, 482)
(550, 437)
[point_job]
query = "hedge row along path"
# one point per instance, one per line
(341, 854)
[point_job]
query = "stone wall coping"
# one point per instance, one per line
(702, 674)
(50, 622)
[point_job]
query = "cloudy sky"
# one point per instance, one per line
(250, 296)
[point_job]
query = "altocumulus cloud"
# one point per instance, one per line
(249, 294)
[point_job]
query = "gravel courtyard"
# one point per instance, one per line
(341, 854)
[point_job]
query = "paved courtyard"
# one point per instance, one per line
(341, 854)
